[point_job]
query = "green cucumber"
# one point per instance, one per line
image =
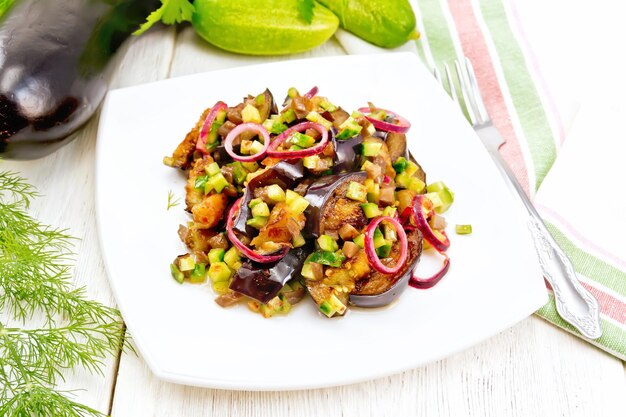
(386, 23)
(262, 27)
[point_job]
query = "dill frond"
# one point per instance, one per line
(172, 201)
(35, 279)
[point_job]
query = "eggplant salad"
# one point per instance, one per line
(309, 199)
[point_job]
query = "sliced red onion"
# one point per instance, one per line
(370, 251)
(245, 250)
(312, 93)
(244, 127)
(437, 238)
(206, 126)
(300, 127)
(402, 127)
(424, 283)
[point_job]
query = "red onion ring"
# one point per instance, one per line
(312, 93)
(424, 283)
(206, 126)
(441, 243)
(255, 127)
(403, 126)
(246, 251)
(273, 153)
(370, 251)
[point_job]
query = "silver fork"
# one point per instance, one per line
(574, 303)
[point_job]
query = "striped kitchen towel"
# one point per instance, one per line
(490, 33)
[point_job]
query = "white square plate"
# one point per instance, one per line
(494, 280)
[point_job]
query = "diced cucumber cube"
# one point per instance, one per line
(221, 287)
(357, 191)
(218, 182)
(327, 243)
(219, 272)
(415, 184)
(296, 202)
(298, 241)
(198, 274)
(216, 255)
(250, 114)
(275, 193)
(359, 241)
(371, 210)
(289, 116)
(378, 239)
(307, 271)
(302, 140)
(315, 117)
(336, 304)
(389, 211)
(371, 148)
(311, 162)
(327, 309)
(257, 222)
(212, 169)
(177, 274)
(187, 263)
(411, 168)
(250, 166)
(260, 210)
(463, 229)
(232, 258)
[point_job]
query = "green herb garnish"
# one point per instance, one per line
(35, 281)
(170, 13)
(172, 201)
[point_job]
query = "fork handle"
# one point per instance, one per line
(574, 303)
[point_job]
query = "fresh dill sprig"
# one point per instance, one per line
(172, 201)
(35, 279)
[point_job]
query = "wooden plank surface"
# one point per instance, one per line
(532, 369)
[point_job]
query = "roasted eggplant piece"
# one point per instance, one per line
(284, 173)
(378, 289)
(263, 281)
(329, 208)
(396, 144)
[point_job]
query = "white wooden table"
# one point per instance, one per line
(531, 369)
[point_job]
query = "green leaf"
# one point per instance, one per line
(305, 7)
(5, 5)
(171, 12)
